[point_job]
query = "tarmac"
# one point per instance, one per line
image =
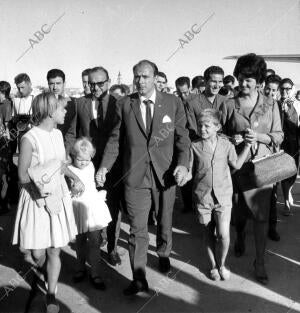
(186, 289)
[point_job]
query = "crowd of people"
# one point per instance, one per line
(83, 162)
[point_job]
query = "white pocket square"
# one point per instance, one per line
(166, 119)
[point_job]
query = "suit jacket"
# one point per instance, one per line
(194, 105)
(88, 125)
(68, 128)
(166, 147)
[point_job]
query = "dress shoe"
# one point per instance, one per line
(239, 246)
(114, 259)
(273, 235)
(79, 276)
(164, 265)
(97, 283)
(135, 287)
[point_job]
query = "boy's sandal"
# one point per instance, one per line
(214, 274)
(79, 276)
(97, 282)
(224, 273)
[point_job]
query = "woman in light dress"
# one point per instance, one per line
(45, 222)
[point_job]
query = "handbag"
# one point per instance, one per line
(267, 170)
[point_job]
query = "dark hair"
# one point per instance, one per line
(115, 87)
(271, 71)
(86, 72)
(228, 79)
(224, 91)
(5, 88)
(251, 66)
(286, 81)
(275, 79)
(126, 88)
(56, 73)
(162, 74)
(212, 70)
(99, 69)
(198, 81)
(142, 62)
(181, 81)
(20, 78)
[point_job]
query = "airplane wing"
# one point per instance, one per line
(293, 58)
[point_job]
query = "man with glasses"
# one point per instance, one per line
(96, 113)
(290, 111)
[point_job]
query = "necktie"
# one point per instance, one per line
(148, 116)
(100, 117)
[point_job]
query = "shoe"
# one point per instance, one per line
(239, 246)
(287, 211)
(260, 273)
(135, 287)
(214, 274)
(114, 259)
(79, 276)
(273, 235)
(224, 273)
(97, 283)
(51, 304)
(164, 265)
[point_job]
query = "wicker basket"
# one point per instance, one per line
(266, 170)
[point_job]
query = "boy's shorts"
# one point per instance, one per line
(216, 211)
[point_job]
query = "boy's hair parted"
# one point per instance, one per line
(210, 114)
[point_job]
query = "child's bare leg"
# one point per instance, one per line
(210, 241)
(223, 239)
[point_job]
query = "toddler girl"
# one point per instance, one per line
(90, 211)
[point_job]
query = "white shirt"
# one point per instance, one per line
(95, 108)
(23, 105)
(143, 106)
(297, 108)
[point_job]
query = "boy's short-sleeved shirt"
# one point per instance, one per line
(212, 172)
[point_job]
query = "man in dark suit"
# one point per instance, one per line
(150, 132)
(96, 113)
(56, 82)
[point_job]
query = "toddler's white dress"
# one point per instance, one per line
(90, 210)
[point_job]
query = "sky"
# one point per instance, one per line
(116, 34)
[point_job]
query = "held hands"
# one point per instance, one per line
(251, 137)
(77, 188)
(101, 176)
(237, 139)
(181, 175)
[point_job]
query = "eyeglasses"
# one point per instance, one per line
(99, 84)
